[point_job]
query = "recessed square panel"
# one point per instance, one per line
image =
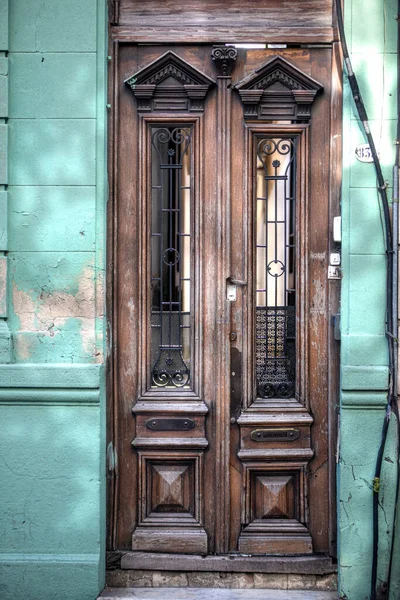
(170, 510)
(170, 487)
(274, 511)
(274, 495)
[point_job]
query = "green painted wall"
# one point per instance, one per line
(372, 37)
(52, 264)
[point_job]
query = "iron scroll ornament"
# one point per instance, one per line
(169, 368)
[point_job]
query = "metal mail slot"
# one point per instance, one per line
(275, 434)
(170, 424)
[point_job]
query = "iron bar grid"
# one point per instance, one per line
(275, 265)
(170, 256)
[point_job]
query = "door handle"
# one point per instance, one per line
(238, 282)
(236, 384)
(231, 286)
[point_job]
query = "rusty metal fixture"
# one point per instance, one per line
(170, 424)
(273, 434)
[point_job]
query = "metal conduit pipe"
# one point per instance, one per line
(395, 233)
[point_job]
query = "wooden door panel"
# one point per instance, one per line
(255, 120)
(322, 372)
(165, 90)
(208, 463)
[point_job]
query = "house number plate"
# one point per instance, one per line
(276, 435)
(363, 153)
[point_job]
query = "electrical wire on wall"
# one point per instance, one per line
(391, 304)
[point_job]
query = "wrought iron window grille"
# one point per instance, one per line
(275, 264)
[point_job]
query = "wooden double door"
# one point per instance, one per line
(224, 164)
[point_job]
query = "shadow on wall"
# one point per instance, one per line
(50, 498)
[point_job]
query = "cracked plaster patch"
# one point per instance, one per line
(3, 285)
(49, 312)
(24, 348)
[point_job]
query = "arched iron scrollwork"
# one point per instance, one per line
(169, 140)
(169, 316)
(281, 147)
(276, 245)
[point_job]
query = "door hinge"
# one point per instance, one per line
(114, 16)
(336, 326)
(112, 459)
(109, 340)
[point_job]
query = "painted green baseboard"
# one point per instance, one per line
(49, 576)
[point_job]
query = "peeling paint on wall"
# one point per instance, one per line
(3, 286)
(50, 312)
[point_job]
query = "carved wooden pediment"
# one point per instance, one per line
(170, 84)
(278, 91)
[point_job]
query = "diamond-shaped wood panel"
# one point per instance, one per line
(170, 510)
(170, 488)
(274, 516)
(273, 496)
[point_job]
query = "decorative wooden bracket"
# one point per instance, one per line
(224, 58)
(278, 91)
(170, 84)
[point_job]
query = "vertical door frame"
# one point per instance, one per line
(124, 35)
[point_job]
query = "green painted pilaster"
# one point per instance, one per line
(5, 337)
(371, 34)
(52, 216)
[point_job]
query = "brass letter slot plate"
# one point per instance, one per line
(170, 424)
(275, 435)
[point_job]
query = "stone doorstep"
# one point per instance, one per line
(120, 578)
(212, 594)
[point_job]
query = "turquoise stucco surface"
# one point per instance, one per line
(52, 223)
(371, 29)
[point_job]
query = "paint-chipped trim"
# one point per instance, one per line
(50, 376)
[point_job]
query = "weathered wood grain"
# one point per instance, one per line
(213, 21)
(216, 472)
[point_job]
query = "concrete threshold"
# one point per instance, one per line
(212, 594)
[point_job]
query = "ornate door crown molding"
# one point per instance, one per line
(278, 91)
(169, 84)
